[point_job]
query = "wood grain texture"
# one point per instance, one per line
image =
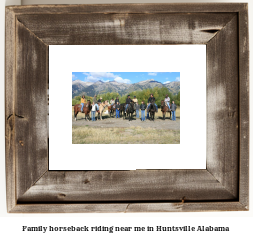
(244, 106)
(9, 108)
(122, 29)
(128, 207)
(222, 107)
(139, 185)
(30, 108)
(155, 8)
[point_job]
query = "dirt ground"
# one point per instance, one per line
(108, 122)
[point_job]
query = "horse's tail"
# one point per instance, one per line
(75, 110)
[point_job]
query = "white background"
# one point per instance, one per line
(239, 222)
(63, 60)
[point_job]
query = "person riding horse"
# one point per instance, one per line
(128, 101)
(112, 101)
(83, 101)
(111, 107)
(85, 108)
(150, 100)
(135, 100)
(167, 100)
(117, 100)
(100, 100)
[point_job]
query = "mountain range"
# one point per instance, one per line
(88, 88)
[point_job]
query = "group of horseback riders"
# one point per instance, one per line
(134, 106)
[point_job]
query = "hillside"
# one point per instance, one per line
(79, 87)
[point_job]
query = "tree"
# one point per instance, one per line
(142, 95)
(78, 98)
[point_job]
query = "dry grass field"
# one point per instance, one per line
(115, 131)
(131, 135)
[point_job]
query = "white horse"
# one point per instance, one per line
(102, 107)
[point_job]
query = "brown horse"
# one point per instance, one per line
(86, 110)
(101, 108)
(164, 109)
(112, 109)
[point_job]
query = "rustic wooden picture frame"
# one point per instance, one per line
(223, 186)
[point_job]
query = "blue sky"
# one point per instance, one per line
(126, 77)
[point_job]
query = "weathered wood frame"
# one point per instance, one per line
(223, 186)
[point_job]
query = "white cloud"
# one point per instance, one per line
(96, 76)
(166, 82)
(153, 74)
(166, 78)
(73, 76)
(121, 80)
(91, 79)
(177, 79)
(103, 75)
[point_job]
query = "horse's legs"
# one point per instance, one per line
(76, 115)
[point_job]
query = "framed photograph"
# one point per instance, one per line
(128, 36)
(129, 82)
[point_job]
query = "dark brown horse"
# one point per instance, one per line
(122, 110)
(164, 109)
(86, 110)
(130, 111)
(152, 110)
